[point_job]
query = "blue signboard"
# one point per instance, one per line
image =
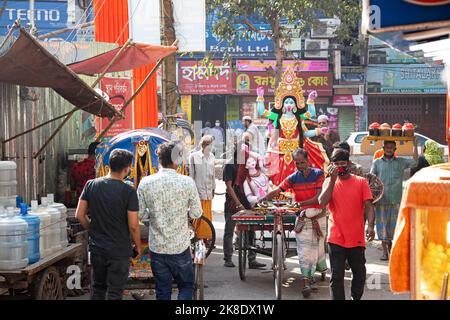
(49, 16)
(248, 43)
(384, 15)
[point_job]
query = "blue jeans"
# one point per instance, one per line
(179, 267)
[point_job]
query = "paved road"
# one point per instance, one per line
(224, 283)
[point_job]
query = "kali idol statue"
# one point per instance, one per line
(287, 116)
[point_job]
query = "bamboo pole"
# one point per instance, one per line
(133, 96)
(71, 113)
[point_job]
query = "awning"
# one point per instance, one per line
(27, 63)
(348, 100)
(133, 56)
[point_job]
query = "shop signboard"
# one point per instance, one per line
(186, 106)
(297, 65)
(197, 78)
(352, 75)
(246, 83)
(48, 16)
(348, 100)
(408, 79)
(118, 91)
(383, 15)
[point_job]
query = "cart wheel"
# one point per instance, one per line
(278, 265)
(49, 286)
(199, 287)
(242, 254)
(138, 295)
(210, 243)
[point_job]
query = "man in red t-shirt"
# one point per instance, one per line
(83, 171)
(349, 201)
(306, 183)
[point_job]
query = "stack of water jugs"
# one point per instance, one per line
(27, 235)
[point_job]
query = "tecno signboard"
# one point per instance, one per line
(48, 16)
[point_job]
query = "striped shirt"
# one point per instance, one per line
(304, 188)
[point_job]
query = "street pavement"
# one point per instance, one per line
(225, 284)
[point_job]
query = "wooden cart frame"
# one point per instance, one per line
(45, 279)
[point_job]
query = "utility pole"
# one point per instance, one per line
(32, 24)
(169, 87)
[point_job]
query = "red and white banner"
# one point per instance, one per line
(348, 100)
(118, 91)
(196, 78)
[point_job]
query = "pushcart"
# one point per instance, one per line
(279, 220)
(43, 280)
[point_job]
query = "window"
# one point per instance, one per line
(359, 138)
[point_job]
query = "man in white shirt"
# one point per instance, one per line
(201, 169)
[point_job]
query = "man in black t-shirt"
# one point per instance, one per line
(113, 221)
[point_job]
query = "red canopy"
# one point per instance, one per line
(134, 56)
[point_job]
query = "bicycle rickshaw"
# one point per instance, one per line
(143, 144)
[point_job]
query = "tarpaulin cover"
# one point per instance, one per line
(27, 63)
(133, 56)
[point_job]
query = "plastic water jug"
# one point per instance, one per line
(55, 230)
(45, 241)
(63, 224)
(8, 188)
(8, 171)
(13, 241)
(33, 233)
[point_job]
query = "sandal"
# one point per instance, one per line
(384, 257)
(306, 291)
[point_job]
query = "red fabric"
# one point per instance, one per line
(346, 207)
(111, 26)
(132, 57)
(82, 172)
(278, 170)
(304, 189)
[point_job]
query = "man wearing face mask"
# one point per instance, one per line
(349, 201)
(389, 169)
(113, 209)
(201, 169)
(218, 143)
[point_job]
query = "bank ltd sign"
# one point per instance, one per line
(248, 43)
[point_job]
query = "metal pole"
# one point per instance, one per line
(32, 24)
(55, 33)
(163, 80)
(53, 134)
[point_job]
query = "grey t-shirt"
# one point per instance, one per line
(109, 201)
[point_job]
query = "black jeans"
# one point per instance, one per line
(109, 276)
(357, 261)
(179, 267)
(228, 239)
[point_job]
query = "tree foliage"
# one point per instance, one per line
(233, 19)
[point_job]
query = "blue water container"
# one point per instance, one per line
(33, 233)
